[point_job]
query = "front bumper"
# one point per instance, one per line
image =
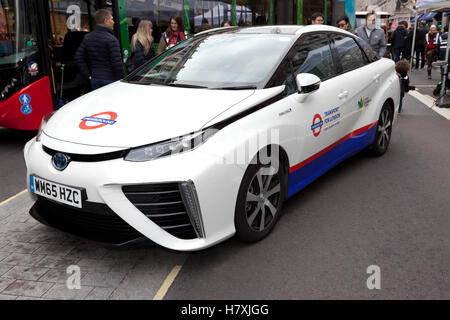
(121, 188)
(96, 222)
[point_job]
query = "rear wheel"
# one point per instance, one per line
(384, 131)
(259, 202)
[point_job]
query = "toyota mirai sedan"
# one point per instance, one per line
(207, 140)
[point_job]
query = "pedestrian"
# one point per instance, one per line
(174, 34)
(98, 57)
(373, 35)
(408, 41)
(142, 45)
(317, 18)
(343, 23)
(431, 48)
(443, 43)
(226, 23)
(402, 69)
(205, 25)
(443, 38)
(419, 45)
(398, 41)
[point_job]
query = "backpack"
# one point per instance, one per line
(130, 63)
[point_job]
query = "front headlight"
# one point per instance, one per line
(43, 124)
(169, 147)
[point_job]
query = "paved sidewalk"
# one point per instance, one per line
(34, 261)
(419, 78)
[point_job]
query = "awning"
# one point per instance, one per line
(413, 19)
(427, 16)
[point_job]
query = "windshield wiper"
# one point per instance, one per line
(183, 85)
(236, 88)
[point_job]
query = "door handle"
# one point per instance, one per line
(376, 77)
(343, 95)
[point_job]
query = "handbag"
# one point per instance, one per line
(130, 63)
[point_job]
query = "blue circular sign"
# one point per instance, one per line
(25, 98)
(26, 109)
(60, 161)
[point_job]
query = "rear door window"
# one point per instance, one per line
(349, 53)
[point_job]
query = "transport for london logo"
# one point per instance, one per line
(99, 120)
(317, 125)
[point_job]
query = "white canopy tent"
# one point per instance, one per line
(432, 4)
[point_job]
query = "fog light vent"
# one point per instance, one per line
(190, 199)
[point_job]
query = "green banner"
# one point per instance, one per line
(123, 27)
(233, 12)
(300, 12)
(187, 23)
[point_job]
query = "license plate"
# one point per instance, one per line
(55, 191)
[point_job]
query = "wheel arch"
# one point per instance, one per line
(390, 102)
(284, 160)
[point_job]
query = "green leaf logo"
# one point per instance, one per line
(360, 103)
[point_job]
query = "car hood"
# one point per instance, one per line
(127, 115)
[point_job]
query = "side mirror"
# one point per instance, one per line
(306, 84)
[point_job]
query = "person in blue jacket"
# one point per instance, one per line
(142, 43)
(98, 57)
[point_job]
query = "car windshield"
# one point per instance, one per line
(220, 61)
(17, 31)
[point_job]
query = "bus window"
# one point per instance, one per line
(17, 32)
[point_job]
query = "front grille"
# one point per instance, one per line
(95, 221)
(89, 157)
(163, 204)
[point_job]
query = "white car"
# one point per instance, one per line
(209, 139)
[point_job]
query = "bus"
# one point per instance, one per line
(39, 39)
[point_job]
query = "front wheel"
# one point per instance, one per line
(383, 133)
(259, 202)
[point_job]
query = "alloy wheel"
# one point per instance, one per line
(384, 128)
(263, 198)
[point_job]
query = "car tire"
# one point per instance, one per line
(383, 132)
(261, 195)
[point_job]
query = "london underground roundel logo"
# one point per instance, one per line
(317, 125)
(98, 120)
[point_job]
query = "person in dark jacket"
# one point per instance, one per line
(402, 69)
(408, 42)
(98, 57)
(142, 43)
(398, 41)
(419, 46)
(343, 23)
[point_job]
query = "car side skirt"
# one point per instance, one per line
(305, 172)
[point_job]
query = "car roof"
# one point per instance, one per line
(275, 29)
